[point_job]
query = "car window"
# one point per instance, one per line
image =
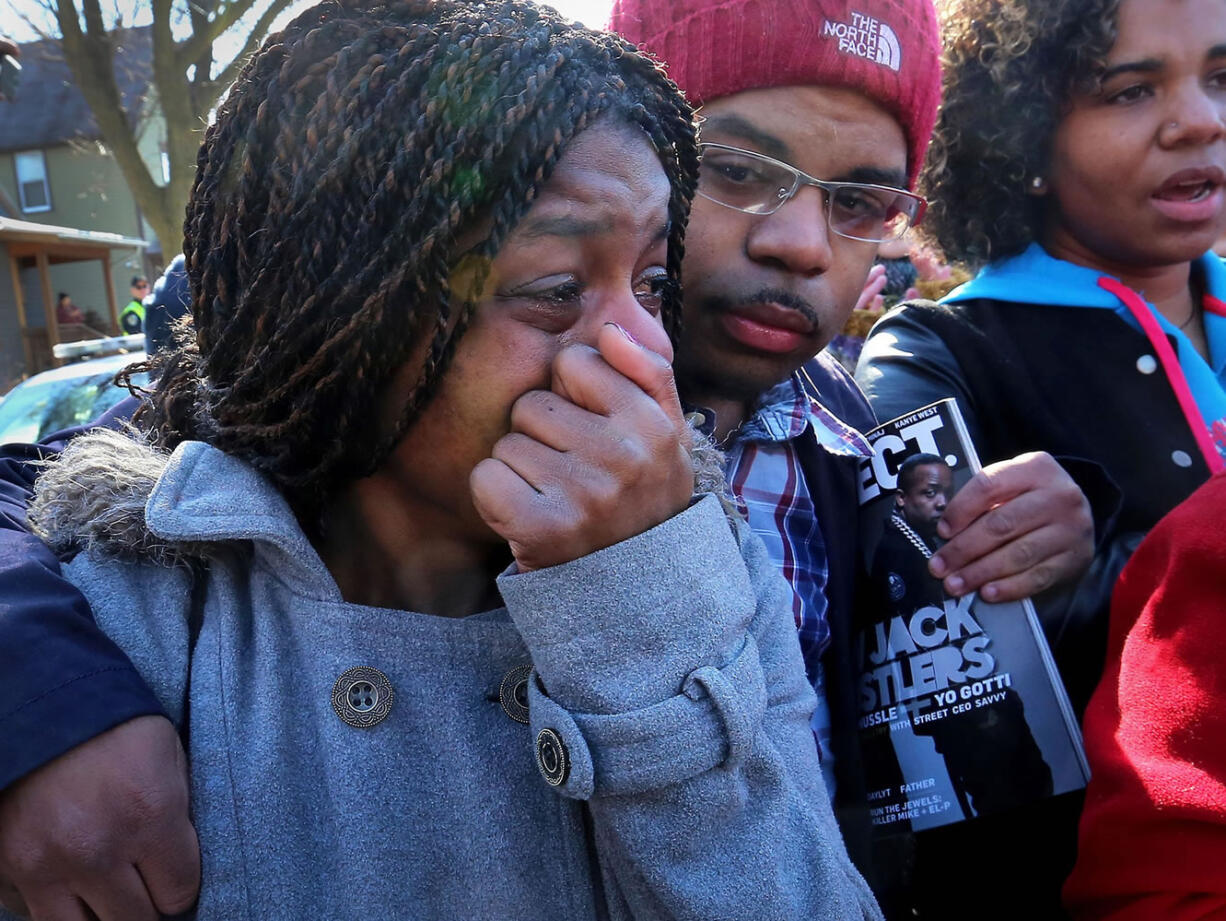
(37, 408)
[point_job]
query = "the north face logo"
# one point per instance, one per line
(866, 37)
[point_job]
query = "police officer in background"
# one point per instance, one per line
(132, 317)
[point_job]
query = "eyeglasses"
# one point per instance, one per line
(756, 184)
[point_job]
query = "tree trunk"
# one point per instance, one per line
(183, 102)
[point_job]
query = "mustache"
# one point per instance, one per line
(768, 296)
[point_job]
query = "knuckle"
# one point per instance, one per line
(149, 808)
(988, 482)
(80, 852)
(661, 369)
(1083, 511)
(530, 405)
(672, 431)
(506, 446)
(603, 494)
(27, 864)
(1041, 459)
(1066, 488)
(635, 454)
(1042, 577)
(624, 452)
(179, 895)
(479, 477)
(1023, 556)
(1000, 522)
(957, 562)
(953, 554)
(573, 356)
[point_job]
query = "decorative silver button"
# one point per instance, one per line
(552, 757)
(362, 697)
(513, 693)
(1181, 458)
(1147, 364)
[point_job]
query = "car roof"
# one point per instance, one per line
(110, 364)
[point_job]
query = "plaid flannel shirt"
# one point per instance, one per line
(767, 484)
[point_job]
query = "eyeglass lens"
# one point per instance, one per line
(759, 186)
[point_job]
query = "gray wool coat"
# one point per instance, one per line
(663, 768)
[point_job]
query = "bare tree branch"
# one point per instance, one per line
(216, 27)
(93, 19)
(43, 28)
(254, 40)
(181, 100)
(89, 56)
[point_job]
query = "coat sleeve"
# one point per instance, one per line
(669, 694)
(905, 365)
(62, 682)
(1153, 833)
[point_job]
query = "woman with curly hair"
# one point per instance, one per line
(413, 542)
(1079, 163)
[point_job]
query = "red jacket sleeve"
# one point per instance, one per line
(1153, 834)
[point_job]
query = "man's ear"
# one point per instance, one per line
(898, 499)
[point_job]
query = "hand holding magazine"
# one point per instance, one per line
(962, 712)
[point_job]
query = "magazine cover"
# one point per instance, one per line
(962, 712)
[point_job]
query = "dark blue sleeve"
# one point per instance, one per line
(170, 299)
(62, 682)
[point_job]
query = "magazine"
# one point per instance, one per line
(962, 711)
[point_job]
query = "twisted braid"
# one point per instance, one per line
(321, 235)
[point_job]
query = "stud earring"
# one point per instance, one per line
(1038, 184)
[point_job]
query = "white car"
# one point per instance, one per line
(64, 397)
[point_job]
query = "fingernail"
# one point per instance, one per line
(937, 566)
(625, 332)
(954, 585)
(943, 529)
(989, 592)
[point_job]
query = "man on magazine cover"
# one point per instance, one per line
(814, 92)
(990, 754)
(909, 537)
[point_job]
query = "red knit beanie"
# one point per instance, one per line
(889, 50)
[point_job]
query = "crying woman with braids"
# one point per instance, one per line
(412, 539)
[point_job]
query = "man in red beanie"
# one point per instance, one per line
(815, 119)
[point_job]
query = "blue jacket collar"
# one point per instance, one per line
(1036, 277)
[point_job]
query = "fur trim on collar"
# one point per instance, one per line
(93, 497)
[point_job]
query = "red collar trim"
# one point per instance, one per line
(1213, 305)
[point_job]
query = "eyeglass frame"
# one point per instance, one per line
(801, 179)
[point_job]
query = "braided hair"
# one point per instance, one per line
(321, 232)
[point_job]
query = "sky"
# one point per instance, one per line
(14, 14)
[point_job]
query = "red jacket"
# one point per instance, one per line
(1153, 834)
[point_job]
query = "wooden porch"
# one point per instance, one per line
(27, 245)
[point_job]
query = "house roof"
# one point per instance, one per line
(14, 231)
(50, 110)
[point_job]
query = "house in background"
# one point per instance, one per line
(31, 255)
(55, 171)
